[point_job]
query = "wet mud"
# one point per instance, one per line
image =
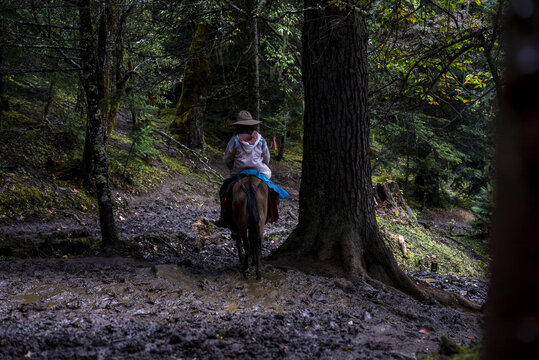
(118, 308)
(183, 297)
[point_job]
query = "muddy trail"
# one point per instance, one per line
(183, 297)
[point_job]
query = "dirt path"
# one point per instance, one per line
(124, 308)
(191, 302)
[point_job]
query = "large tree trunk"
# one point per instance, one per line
(191, 109)
(93, 77)
(337, 224)
(513, 302)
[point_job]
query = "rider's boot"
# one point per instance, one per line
(222, 221)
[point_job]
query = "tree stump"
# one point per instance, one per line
(390, 194)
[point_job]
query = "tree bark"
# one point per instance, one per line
(337, 224)
(280, 154)
(48, 102)
(253, 7)
(93, 75)
(191, 109)
(121, 76)
(4, 104)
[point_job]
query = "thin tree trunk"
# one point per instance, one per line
(103, 65)
(337, 225)
(121, 77)
(93, 77)
(280, 154)
(254, 77)
(119, 55)
(4, 104)
(48, 102)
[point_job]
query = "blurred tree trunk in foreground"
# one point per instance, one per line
(513, 305)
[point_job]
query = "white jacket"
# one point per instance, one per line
(248, 151)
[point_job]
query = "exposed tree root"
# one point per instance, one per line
(417, 290)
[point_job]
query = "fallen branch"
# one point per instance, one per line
(292, 215)
(201, 159)
(155, 239)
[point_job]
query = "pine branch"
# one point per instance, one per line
(30, 71)
(37, 46)
(39, 25)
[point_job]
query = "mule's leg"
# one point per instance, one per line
(247, 249)
(258, 276)
(236, 236)
(259, 250)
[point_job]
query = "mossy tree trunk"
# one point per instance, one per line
(94, 77)
(121, 75)
(337, 226)
(191, 109)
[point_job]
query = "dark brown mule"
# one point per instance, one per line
(249, 212)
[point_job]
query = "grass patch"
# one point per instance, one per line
(19, 199)
(293, 155)
(423, 248)
(138, 175)
(480, 246)
(174, 165)
(13, 119)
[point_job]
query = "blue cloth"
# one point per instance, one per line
(282, 192)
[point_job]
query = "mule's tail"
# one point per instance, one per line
(253, 220)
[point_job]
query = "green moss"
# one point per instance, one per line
(173, 164)
(120, 139)
(166, 117)
(472, 352)
(177, 166)
(14, 119)
(293, 155)
(74, 196)
(19, 199)
(380, 179)
(139, 175)
(423, 248)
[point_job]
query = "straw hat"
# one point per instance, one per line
(245, 118)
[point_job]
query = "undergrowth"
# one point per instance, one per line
(424, 247)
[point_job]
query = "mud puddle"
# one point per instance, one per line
(97, 308)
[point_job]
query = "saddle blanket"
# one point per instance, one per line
(280, 191)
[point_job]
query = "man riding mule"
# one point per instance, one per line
(248, 197)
